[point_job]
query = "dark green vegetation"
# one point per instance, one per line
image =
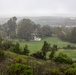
(22, 52)
(19, 69)
(19, 63)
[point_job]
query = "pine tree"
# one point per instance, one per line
(26, 50)
(16, 48)
(45, 48)
(52, 53)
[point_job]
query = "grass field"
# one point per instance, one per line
(34, 46)
(70, 53)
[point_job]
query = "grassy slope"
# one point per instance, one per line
(37, 45)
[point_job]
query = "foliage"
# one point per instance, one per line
(55, 47)
(7, 44)
(63, 58)
(2, 55)
(25, 50)
(45, 31)
(0, 42)
(51, 56)
(10, 26)
(16, 48)
(69, 47)
(42, 54)
(19, 59)
(19, 69)
(73, 35)
(45, 48)
(52, 72)
(70, 71)
(25, 29)
(38, 55)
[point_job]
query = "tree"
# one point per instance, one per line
(73, 35)
(46, 31)
(25, 50)
(45, 48)
(55, 47)
(25, 29)
(16, 48)
(51, 56)
(10, 26)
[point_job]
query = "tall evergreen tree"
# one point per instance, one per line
(10, 27)
(26, 50)
(45, 48)
(52, 53)
(16, 48)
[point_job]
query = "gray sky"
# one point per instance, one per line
(37, 8)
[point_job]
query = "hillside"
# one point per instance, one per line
(39, 66)
(37, 45)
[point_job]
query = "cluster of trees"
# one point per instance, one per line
(24, 29)
(69, 47)
(15, 48)
(10, 27)
(42, 54)
(9, 46)
(27, 29)
(66, 34)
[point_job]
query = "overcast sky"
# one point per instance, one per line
(37, 8)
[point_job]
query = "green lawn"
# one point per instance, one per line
(34, 46)
(70, 53)
(37, 45)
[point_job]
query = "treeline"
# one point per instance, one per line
(24, 29)
(66, 33)
(27, 29)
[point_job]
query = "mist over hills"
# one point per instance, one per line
(46, 20)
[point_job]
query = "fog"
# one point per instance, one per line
(37, 8)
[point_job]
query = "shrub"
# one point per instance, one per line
(70, 71)
(38, 55)
(63, 58)
(6, 45)
(55, 47)
(73, 65)
(19, 69)
(2, 55)
(53, 72)
(19, 60)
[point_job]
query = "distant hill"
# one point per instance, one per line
(46, 20)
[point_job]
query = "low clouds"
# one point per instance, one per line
(38, 7)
